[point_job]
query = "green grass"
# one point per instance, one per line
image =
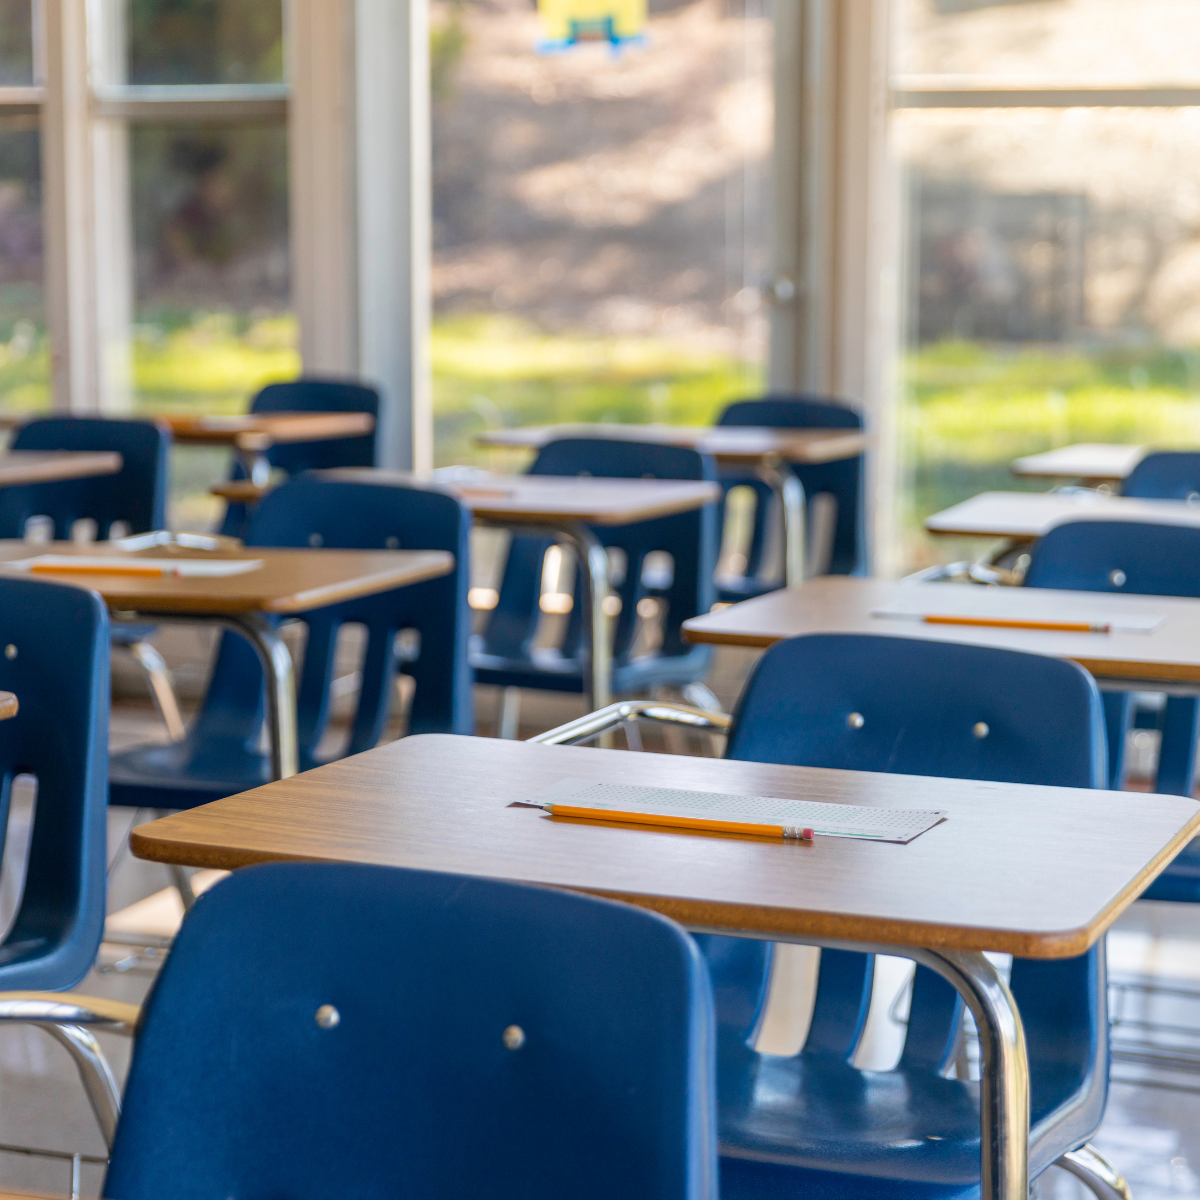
(490, 372)
(971, 409)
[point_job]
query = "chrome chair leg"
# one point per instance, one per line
(94, 1073)
(159, 679)
(1096, 1173)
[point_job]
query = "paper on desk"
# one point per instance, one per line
(827, 820)
(997, 604)
(180, 567)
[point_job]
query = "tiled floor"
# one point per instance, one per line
(1153, 1135)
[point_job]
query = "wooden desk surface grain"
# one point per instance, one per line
(1031, 514)
(842, 604)
(554, 499)
(258, 432)
(1084, 460)
(288, 581)
(8, 706)
(728, 443)
(48, 466)
(1037, 871)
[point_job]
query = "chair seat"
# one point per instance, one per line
(184, 774)
(816, 1112)
(553, 672)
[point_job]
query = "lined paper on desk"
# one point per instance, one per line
(1012, 604)
(825, 820)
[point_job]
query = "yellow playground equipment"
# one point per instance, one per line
(570, 22)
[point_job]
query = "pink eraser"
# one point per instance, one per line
(807, 834)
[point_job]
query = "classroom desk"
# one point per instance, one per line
(1092, 463)
(765, 450)
(253, 434)
(1025, 516)
(290, 582)
(8, 706)
(565, 507)
(1165, 659)
(49, 466)
(442, 803)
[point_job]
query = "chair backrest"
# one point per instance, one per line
(135, 495)
(312, 511)
(689, 538)
(920, 707)
(320, 395)
(1165, 475)
(55, 652)
(841, 480)
(343, 1030)
(1138, 557)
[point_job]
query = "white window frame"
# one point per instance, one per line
(358, 145)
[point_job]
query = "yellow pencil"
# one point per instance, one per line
(676, 822)
(1017, 623)
(94, 569)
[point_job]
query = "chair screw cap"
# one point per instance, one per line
(1117, 578)
(980, 729)
(856, 720)
(327, 1016)
(10, 651)
(513, 1037)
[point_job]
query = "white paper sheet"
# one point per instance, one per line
(826, 820)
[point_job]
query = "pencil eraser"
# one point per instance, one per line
(807, 834)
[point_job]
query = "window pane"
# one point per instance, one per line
(16, 43)
(599, 218)
(1055, 297)
(213, 307)
(204, 41)
(24, 353)
(1069, 41)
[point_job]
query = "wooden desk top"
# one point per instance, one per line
(1031, 514)
(8, 706)
(1094, 461)
(47, 466)
(558, 500)
(289, 581)
(1036, 871)
(727, 443)
(256, 433)
(841, 604)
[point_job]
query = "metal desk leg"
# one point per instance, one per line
(593, 562)
(790, 491)
(281, 690)
(1004, 1090)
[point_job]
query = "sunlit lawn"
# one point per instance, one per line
(968, 411)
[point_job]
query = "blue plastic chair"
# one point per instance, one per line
(1165, 475)
(812, 1124)
(55, 660)
(310, 395)
(1138, 558)
(136, 495)
(220, 755)
(506, 656)
(841, 480)
(511, 1042)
